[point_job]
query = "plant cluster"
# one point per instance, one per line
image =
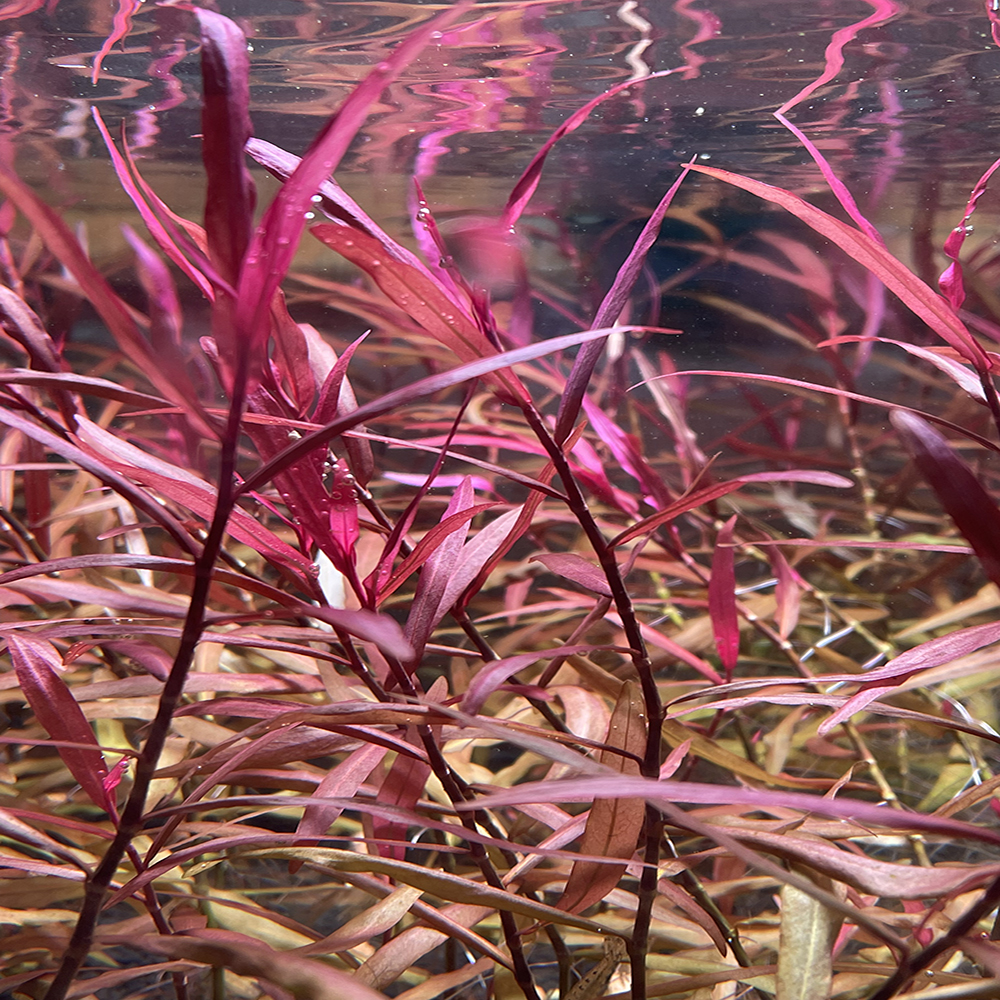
(518, 678)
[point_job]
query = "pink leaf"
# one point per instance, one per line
(275, 242)
(342, 782)
(380, 629)
(591, 787)
(951, 282)
(121, 25)
(787, 594)
(528, 181)
(575, 568)
(955, 371)
(497, 672)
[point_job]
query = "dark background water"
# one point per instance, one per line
(909, 122)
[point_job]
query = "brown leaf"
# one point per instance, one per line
(613, 826)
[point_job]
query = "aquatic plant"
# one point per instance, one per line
(318, 666)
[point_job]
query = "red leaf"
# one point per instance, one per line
(344, 518)
(36, 662)
(407, 394)
(610, 309)
(422, 297)
(950, 282)
(225, 125)
(722, 599)
(402, 786)
(64, 245)
(968, 504)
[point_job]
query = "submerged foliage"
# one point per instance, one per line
(445, 661)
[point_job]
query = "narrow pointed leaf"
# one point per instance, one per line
(575, 568)
(722, 599)
(225, 123)
(36, 663)
(702, 496)
(276, 239)
(498, 672)
(403, 786)
(592, 787)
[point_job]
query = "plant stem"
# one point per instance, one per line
(132, 815)
(650, 767)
